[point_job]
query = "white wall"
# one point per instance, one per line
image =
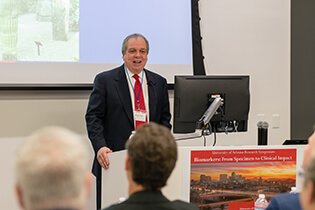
(251, 38)
(239, 37)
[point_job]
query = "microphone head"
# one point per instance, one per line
(265, 125)
(259, 124)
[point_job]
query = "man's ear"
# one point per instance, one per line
(19, 195)
(127, 163)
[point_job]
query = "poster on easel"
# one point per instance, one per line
(232, 179)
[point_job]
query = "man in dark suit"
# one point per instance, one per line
(116, 106)
(151, 158)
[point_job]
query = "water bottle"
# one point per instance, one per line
(261, 203)
(293, 190)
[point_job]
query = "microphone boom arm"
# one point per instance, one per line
(207, 116)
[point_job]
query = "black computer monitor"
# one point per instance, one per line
(192, 97)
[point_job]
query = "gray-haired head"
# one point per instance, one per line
(52, 170)
(135, 36)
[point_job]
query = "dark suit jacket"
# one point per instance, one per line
(145, 200)
(109, 116)
(285, 201)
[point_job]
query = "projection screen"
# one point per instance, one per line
(70, 41)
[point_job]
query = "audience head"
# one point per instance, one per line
(51, 170)
(152, 154)
(310, 148)
(307, 195)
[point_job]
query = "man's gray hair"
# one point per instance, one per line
(135, 36)
(51, 168)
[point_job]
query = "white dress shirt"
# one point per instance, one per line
(131, 84)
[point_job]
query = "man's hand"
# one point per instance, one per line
(102, 157)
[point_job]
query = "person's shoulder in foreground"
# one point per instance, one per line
(285, 201)
(153, 200)
(174, 205)
(184, 205)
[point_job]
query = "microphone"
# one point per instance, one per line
(262, 133)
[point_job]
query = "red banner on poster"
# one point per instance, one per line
(241, 156)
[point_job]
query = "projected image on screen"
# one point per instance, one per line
(70, 41)
(39, 30)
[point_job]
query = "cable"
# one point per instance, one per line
(221, 110)
(203, 134)
(209, 126)
(235, 126)
(215, 137)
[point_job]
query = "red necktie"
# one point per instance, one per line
(139, 100)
